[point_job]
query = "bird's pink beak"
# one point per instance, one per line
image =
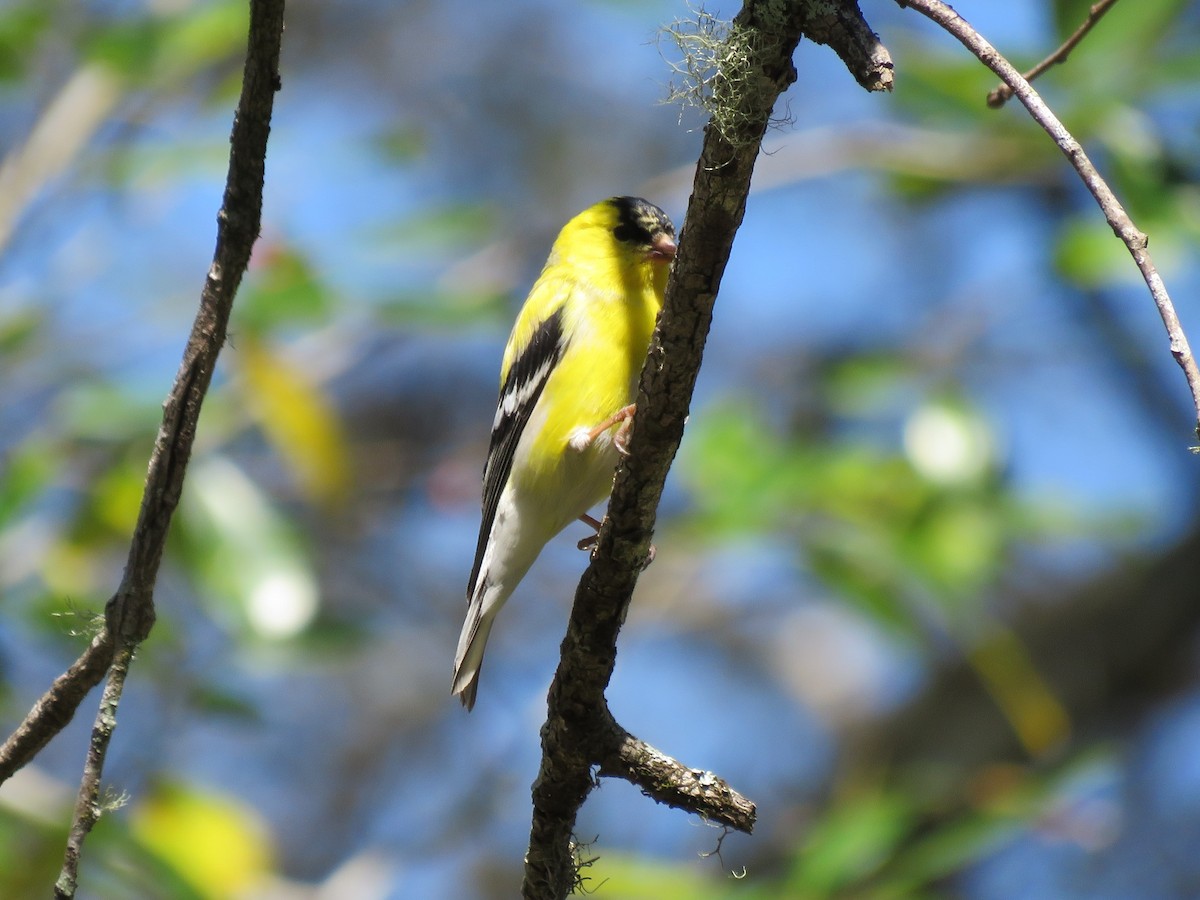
(662, 249)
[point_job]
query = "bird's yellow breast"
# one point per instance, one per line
(609, 316)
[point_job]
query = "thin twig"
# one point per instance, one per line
(1114, 212)
(1003, 92)
(88, 807)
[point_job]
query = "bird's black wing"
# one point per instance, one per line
(527, 377)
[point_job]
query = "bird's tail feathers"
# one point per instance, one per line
(509, 552)
(471, 644)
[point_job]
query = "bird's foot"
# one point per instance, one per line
(589, 542)
(582, 438)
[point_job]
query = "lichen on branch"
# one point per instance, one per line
(719, 71)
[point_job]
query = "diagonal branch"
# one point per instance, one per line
(54, 709)
(1003, 93)
(1122, 225)
(579, 732)
(88, 805)
(130, 611)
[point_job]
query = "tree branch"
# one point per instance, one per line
(1001, 95)
(129, 614)
(666, 781)
(1114, 212)
(88, 806)
(579, 732)
(54, 710)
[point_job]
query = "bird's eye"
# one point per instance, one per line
(627, 232)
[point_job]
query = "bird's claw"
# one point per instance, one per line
(621, 438)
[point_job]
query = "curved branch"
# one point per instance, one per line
(1122, 225)
(88, 805)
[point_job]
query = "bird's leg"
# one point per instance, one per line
(590, 541)
(581, 440)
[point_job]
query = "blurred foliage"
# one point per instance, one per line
(166, 47)
(881, 465)
(298, 421)
(218, 847)
(172, 842)
(868, 520)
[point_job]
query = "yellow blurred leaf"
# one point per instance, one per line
(217, 845)
(117, 496)
(1026, 699)
(614, 874)
(70, 570)
(297, 420)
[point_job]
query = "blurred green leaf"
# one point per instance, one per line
(1128, 33)
(444, 309)
(205, 34)
(850, 843)
(17, 328)
(948, 88)
(212, 700)
(453, 227)
(945, 850)
(23, 475)
(632, 878)
(738, 453)
(890, 530)
(866, 383)
(160, 50)
(102, 411)
(959, 545)
(152, 167)
(129, 48)
(283, 289)
(1090, 255)
(244, 552)
(116, 495)
(31, 845)
(403, 143)
(22, 27)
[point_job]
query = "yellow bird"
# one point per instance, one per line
(567, 386)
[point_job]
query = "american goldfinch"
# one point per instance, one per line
(567, 386)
